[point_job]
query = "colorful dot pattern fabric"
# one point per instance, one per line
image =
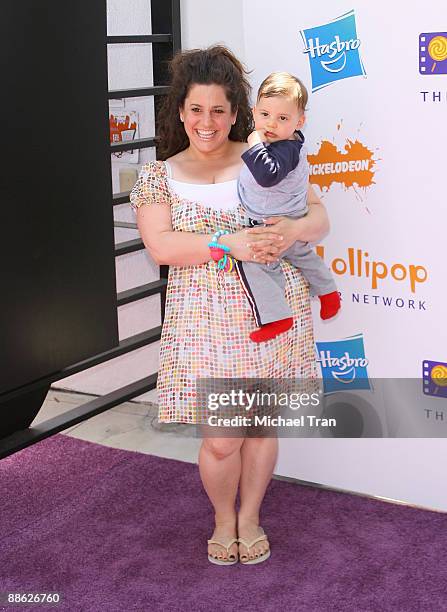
(208, 318)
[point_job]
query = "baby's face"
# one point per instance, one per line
(279, 117)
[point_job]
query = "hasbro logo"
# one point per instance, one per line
(333, 51)
(343, 364)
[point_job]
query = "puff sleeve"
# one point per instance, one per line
(151, 186)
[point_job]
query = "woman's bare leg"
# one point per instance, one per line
(220, 470)
(258, 457)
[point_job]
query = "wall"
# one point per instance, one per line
(205, 23)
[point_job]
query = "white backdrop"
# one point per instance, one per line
(391, 216)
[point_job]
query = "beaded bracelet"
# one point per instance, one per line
(219, 252)
(219, 233)
(222, 247)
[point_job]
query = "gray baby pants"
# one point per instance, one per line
(264, 284)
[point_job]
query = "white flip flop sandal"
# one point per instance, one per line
(260, 559)
(227, 547)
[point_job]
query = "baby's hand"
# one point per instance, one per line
(256, 137)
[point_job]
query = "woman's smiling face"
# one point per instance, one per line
(207, 117)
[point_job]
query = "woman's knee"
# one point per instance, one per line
(222, 448)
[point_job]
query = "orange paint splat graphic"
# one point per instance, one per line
(355, 166)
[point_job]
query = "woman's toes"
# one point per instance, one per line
(218, 553)
(259, 551)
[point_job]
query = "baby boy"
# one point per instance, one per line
(274, 182)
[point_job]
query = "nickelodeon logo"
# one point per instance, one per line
(353, 166)
(357, 263)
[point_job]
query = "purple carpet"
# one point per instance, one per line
(116, 530)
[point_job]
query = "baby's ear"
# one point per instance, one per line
(301, 121)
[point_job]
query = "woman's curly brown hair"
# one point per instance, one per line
(214, 65)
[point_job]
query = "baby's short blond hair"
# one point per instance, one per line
(284, 84)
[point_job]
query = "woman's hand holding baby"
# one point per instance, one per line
(304, 229)
(281, 231)
(287, 227)
(246, 246)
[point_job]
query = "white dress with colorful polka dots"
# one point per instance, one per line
(207, 316)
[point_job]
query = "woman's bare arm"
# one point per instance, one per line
(174, 248)
(166, 246)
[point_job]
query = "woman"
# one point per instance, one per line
(180, 204)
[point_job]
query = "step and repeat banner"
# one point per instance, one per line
(376, 133)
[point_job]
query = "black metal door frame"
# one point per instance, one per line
(165, 42)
